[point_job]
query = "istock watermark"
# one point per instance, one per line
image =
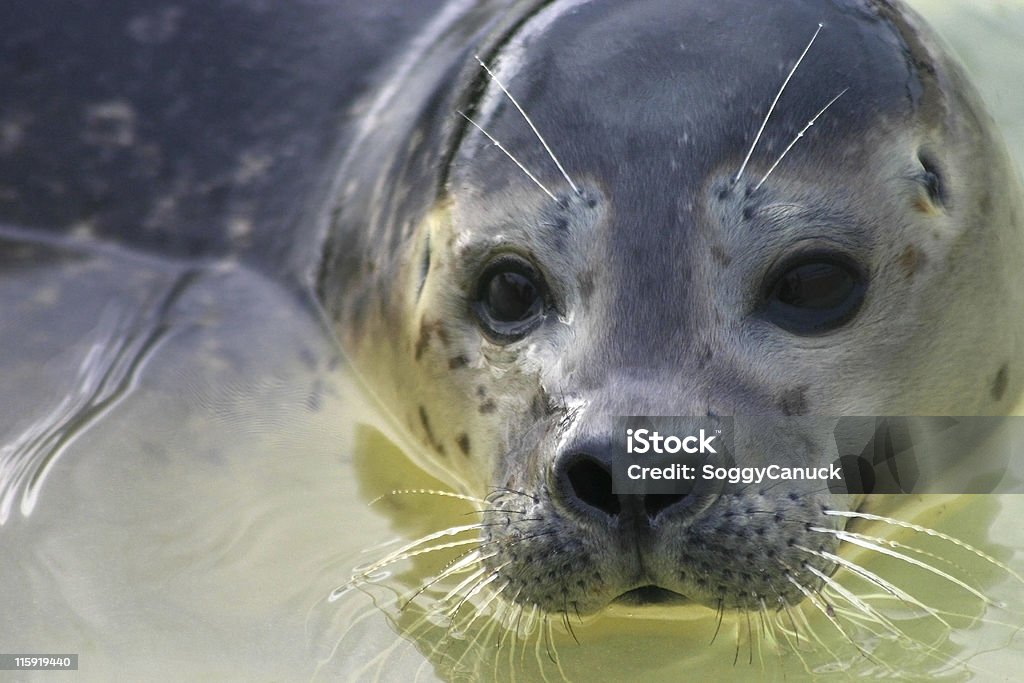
(892, 454)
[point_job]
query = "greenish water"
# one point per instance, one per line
(195, 524)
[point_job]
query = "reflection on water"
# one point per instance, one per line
(184, 482)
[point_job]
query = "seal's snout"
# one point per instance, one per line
(584, 486)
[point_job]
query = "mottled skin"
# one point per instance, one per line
(656, 266)
(188, 128)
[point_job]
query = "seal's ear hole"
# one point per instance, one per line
(931, 177)
(511, 299)
(813, 293)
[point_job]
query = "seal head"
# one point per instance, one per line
(703, 211)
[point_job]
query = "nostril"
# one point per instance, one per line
(591, 483)
(656, 502)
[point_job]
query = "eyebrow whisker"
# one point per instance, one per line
(529, 121)
(771, 109)
(510, 156)
(798, 136)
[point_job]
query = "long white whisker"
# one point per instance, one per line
(888, 542)
(864, 608)
(757, 138)
(797, 138)
(473, 558)
(428, 492)
(930, 532)
(816, 601)
(536, 132)
(876, 580)
(463, 585)
(483, 583)
(404, 552)
(855, 539)
(483, 606)
(509, 155)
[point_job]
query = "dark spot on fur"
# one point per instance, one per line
(425, 421)
(481, 391)
(720, 255)
(794, 401)
(463, 441)
(442, 334)
(423, 339)
(488, 406)
(457, 362)
(748, 212)
(910, 261)
(427, 330)
(1000, 383)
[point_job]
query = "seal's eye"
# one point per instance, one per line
(510, 299)
(814, 294)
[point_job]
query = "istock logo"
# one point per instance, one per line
(641, 441)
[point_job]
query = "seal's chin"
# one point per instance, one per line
(650, 595)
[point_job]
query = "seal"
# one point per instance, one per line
(558, 212)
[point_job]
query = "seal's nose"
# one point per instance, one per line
(583, 478)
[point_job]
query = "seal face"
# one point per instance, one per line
(671, 208)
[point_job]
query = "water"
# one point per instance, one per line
(188, 481)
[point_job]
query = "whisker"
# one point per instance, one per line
(407, 551)
(877, 580)
(536, 132)
(527, 630)
(413, 545)
(554, 650)
(483, 583)
(750, 637)
(546, 630)
(536, 650)
(517, 492)
(896, 544)
(430, 492)
(817, 602)
(470, 559)
(930, 532)
(718, 623)
(797, 138)
(507, 619)
(568, 626)
(482, 608)
(510, 156)
(859, 540)
(857, 602)
(736, 656)
(465, 583)
(771, 109)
